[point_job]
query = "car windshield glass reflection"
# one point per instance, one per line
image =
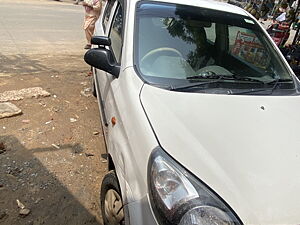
(178, 45)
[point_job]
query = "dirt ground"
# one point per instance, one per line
(50, 155)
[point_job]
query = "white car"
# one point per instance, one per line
(200, 115)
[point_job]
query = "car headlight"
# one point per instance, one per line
(178, 197)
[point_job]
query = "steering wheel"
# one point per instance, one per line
(156, 51)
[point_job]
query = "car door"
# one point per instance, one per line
(114, 30)
(115, 34)
(101, 77)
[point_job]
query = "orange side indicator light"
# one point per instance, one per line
(113, 121)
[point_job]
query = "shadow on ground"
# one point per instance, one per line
(21, 63)
(24, 177)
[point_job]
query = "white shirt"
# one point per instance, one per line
(281, 17)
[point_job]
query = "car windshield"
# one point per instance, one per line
(178, 45)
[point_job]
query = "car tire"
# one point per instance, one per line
(111, 200)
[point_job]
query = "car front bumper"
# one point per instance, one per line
(139, 212)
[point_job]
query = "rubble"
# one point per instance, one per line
(89, 154)
(20, 204)
(72, 120)
(55, 146)
(24, 212)
(56, 109)
(14, 171)
(38, 200)
(86, 92)
(16, 95)
(8, 109)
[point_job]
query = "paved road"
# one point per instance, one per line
(28, 27)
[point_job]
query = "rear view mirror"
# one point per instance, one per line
(102, 58)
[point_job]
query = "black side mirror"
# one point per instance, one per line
(101, 40)
(102, 58)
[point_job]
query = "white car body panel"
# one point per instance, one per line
(243, 147)
(246, 148)
(124, 142)
(131, 140)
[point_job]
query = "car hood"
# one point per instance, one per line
(246, 148)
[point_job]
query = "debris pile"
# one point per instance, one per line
(16, 95)
(8, 109)
(23, 210)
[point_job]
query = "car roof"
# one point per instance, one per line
(210, 4)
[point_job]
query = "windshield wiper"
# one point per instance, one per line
(248, 79)
(217, 78)
(279, 80)
(229, 77)
(210, 76)
(276, 82)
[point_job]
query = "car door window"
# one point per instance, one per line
(115, 34)
(107, 13)
(211, 33)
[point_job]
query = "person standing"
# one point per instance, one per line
(281, 16)
(92, 13)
